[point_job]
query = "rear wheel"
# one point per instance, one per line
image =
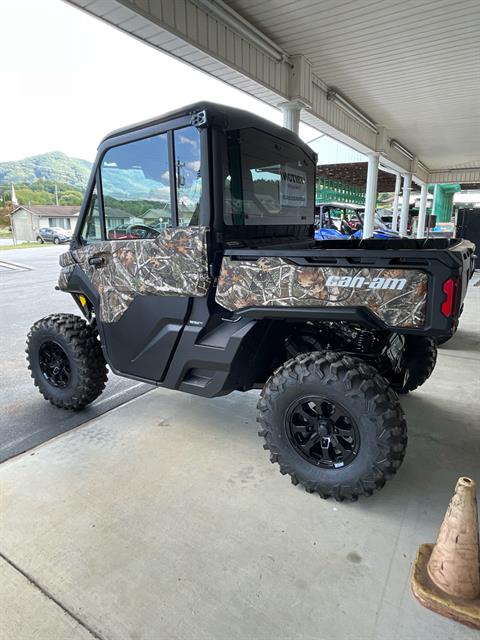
(333, 424)
(66, 360)
(419, 359)
(449, 336)
(305, 341)
(56, 241)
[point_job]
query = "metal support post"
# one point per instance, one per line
(291, 115)
(422, 213)
(370, 195)
(407, 187)
(398, 182)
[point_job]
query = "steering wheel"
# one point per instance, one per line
(145, 231)
(346, 228)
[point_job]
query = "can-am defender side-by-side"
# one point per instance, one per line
(194, 265)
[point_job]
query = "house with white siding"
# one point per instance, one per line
(26, 221)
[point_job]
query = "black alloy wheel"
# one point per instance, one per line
(323, 432)
(66, 361)
(333, 424)
(54, 364)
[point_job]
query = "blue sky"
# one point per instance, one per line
(68, 79)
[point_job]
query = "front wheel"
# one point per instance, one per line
(66, 360)
(333, 424)
(40, 240)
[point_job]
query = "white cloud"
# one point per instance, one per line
(186, 140)
(194, 165)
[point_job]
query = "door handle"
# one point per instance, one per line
(96, 261)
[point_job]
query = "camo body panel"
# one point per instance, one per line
(66, 259)
(174, 263)
(67, 264)
(64, 276)
(275, 282)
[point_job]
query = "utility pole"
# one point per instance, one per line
(180, 177)
(56, 195)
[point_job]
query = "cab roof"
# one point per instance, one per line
(218, 115)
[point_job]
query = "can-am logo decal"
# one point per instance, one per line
(359, 282)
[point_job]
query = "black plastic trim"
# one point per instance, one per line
(173, 178)
(357, 315)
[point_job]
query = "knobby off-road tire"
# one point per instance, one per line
(446, 338)
(361, 393)
(66, 360)
(420, 357)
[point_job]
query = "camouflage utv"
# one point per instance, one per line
(194, 266)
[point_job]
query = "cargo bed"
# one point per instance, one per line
(406, 285)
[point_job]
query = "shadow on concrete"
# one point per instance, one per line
(464, 340)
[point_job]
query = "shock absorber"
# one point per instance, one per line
(363, 342)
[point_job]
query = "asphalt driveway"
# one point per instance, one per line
(27, 293)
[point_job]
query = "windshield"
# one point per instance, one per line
(379, 224)
(269, 181)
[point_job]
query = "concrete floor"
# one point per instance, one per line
(163, 519)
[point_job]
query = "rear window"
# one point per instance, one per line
(269, 181)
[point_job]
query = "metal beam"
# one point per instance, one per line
(455, 176)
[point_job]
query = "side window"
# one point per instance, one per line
(91, 227)
(136, 189)
(188, 180)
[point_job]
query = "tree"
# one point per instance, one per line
(27, 196)
(72, 198)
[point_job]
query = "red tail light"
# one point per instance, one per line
(450, 289)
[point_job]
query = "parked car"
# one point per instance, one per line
(53, 234)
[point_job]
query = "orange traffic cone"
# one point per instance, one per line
(446, 575)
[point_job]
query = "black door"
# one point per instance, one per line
(144, 251)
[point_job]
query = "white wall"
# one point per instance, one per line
(43, 222)
(24, 226)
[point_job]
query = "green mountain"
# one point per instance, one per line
(54, 167)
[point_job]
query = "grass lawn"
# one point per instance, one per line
(23, 245)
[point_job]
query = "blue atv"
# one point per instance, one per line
(336, 227)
